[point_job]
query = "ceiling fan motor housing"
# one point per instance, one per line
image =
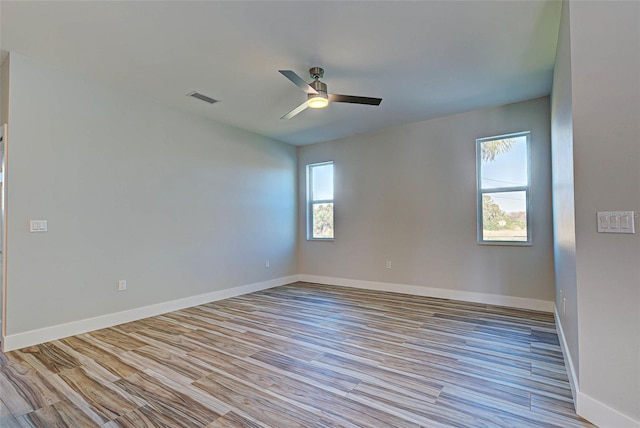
(321, 89)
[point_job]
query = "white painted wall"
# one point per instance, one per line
(605, 74)
(563, 191)
(595, 125)
(408, 195)
(177, 205)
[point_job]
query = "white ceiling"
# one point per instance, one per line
(425, 59)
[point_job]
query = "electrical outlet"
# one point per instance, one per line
(122, 285)
(564, 306)
(267, 265)
(388, 265)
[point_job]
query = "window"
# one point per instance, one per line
(320, 201)
(503, 189)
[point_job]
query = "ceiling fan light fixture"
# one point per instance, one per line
(317, 94)
(317, 101)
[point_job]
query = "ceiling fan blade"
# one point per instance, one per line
(337, 98)
(302, 107)
(298, 81)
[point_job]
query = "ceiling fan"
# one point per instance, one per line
(317, 95)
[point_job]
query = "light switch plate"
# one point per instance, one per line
(37, 225)
(616, 221)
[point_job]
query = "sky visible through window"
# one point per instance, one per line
(323, 182)
(507, 170)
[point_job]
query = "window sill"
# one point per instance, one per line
(506, 243)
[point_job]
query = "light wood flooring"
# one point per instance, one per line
(299, 355)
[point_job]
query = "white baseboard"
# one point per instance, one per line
(602, 415)
(589, 408)
(568, 360)
(34, 337)
(442, 293)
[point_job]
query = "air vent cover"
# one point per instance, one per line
(202, 97)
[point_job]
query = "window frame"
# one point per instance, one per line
(480, 191)
(311, 201)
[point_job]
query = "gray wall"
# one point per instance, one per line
(563, 190)
(176, 204)
(605, 63)
(408, 195)
(4, 91)
(597, 93)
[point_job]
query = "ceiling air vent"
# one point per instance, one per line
(202, 97)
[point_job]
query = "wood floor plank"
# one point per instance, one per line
(60, 414)
(159, 323)
(293, 389)
(208, 311)
(50, 357)
(217, 342)
(327, 377)
(417, 411)
(109, 361)
(168, 364)
(282, 345)
(33, 387)
(375, 375)
(14, 398)
(240, 368)
(192, 392)
(173, 343)
(233, 420)
(300, 355)
(77, 399)
(180, 408)
(5, 360)
(197, 322)
(447, 377)
(256, 403)
(344, 410)
(117, 339)
(143, 417)
(328, 344)
(495, 413)
(103, 399)
(7, 419)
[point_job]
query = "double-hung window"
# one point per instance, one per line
(320, 201)
(504, 179)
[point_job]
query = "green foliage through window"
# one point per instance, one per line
(490, 149)
(323, 221)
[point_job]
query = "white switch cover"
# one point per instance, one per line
(37, 225)
(616, 222)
